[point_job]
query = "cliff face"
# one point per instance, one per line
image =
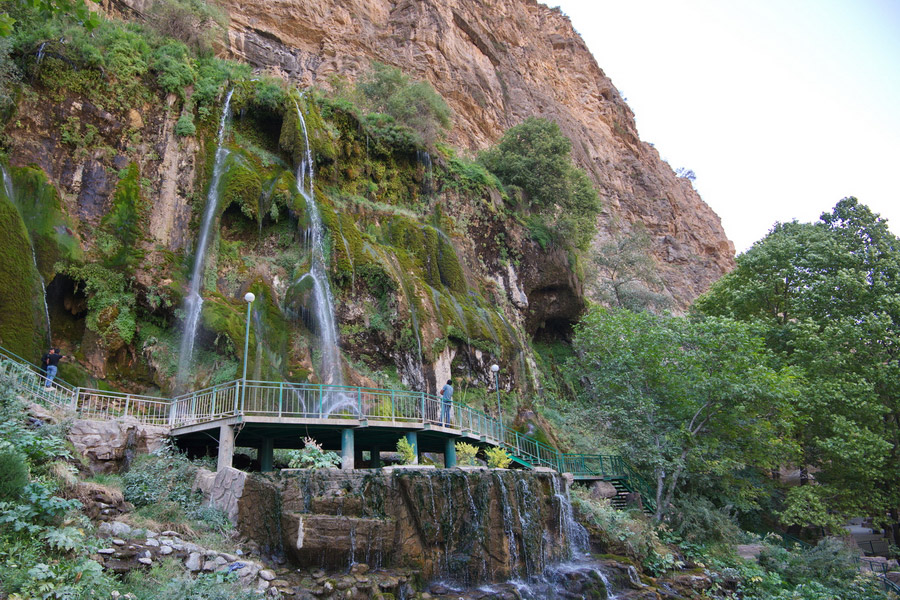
(497, 63)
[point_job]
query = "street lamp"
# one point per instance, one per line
(496, 370)
(248, 298)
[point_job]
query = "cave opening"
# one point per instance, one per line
(67, 305)
(556, 329)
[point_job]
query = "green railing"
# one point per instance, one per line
(328, 403)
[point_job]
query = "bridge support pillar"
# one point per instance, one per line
(226, 447)
(347, 453)
(266, 454)
(413, 438)
(375, 453)
(450, 453)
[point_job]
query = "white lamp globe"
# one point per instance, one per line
(495, 368)
(249, 297)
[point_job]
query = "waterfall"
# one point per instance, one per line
(8, 188)
(424, 159)
(330, 355)
(194, 302)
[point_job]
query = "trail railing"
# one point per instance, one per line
(329, 403)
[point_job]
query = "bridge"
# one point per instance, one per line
(269, 414)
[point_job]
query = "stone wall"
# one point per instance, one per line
(470, 526)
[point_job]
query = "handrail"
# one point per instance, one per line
(315, 401)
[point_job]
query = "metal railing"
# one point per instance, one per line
(281, 399)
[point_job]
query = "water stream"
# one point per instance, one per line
(329, 369)
(193, 304)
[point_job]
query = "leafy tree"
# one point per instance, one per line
(625, 273)
(684, 396)
(534, 157)
(827, 295)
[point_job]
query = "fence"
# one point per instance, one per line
(311, 401)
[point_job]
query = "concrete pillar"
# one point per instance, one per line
(226, 447)
(450, 453)
(413, 439)
(266, 454)
(376, 457)
(347, 449)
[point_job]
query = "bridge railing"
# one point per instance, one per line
(304, 400)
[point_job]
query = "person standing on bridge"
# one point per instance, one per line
(446, 402)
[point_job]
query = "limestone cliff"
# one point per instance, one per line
(497, 62)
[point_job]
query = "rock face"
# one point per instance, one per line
(497, 63)
(468, 526)
(111, 445)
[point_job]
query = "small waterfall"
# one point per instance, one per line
(8, 188)
(330, 354)
(193, 304)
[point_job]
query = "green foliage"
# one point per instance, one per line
(497, 458)
(15, 474)
(622, 533)
(825, 296)
(111, 303)
(9, 72)
(411, 104)
(160, 486)
(196, 23)
(534, 157)
(625, 273)
(159, 583)
(695, 519)
(406, 451)
(685, 396)
(124, 222)
(173, 66)
(184, 127)
(466, 454)
(20, 328)
(312, 456)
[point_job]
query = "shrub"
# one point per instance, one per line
(311, 456)
(173, 66)
(534, 157)
(697, 520)
(196, 23)
(15, 474)
(831, 562)
(466, 453)
(185, 125)
(412, 104)
(497, 458)
(406, 451)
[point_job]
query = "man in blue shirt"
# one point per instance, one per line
(446, 401)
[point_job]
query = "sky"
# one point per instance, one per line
(780, 107)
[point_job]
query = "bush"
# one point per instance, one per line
(196, 23)
(697, 520)
(173, 65)
(623, 533)
(497, 458)
(534, 157)
(466, 453)
(311, 456)
(412, 104)
(185, 125)
(406, 451)
(831, 562)
(15, 474)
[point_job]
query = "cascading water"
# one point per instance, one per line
(329, 351)
(8, 188)
(194, 302)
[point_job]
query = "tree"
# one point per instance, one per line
(534, 157)
(684, 396)
(626, 275)
(827, 296)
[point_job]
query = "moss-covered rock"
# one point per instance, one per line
(21, 329)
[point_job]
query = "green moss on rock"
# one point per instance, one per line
(21, 330)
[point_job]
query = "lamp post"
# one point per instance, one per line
(496, 370)
(248, 298)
